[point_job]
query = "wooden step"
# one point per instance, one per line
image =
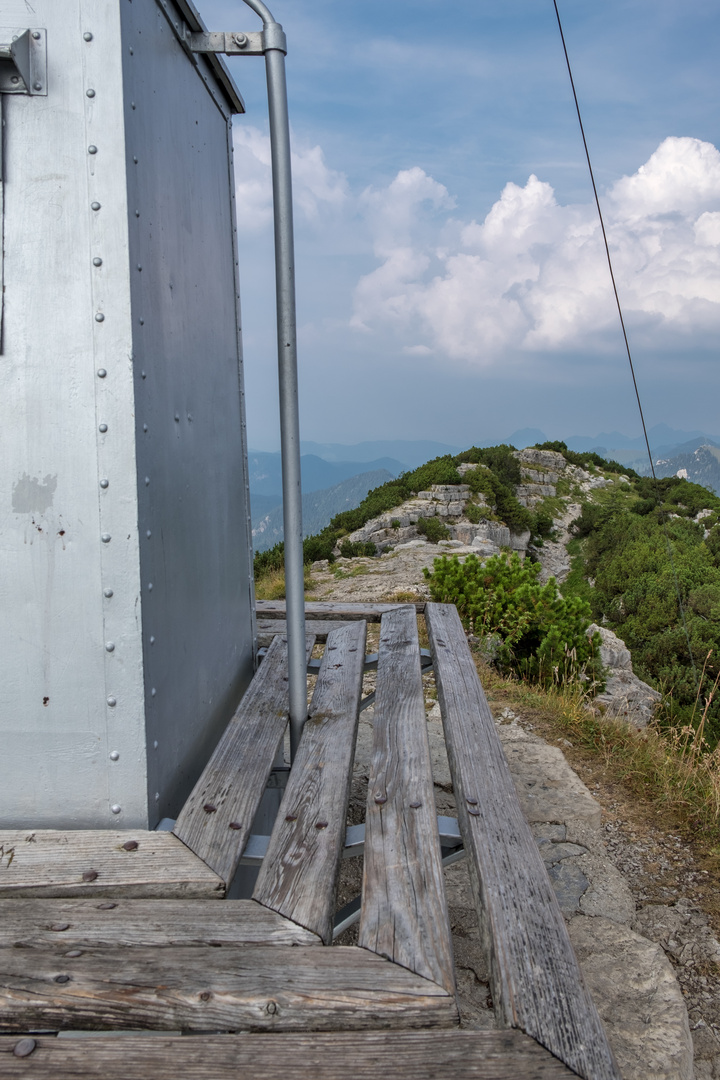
(330, 609)
(215, 821)
(417, 1055)
(101, 863)
(253, 987)
(404, 912)
(72, 924)
(298, 876)
(536, 981)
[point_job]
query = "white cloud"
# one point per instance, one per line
(315, 186)
(533, 275)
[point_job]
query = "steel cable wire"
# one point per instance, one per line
(627, 346)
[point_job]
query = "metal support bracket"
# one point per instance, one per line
(237, 44)
(23, 61)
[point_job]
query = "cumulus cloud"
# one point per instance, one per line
(316, 187)
(532, 276)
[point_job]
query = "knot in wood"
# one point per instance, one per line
(271, 1007)
(58, 927)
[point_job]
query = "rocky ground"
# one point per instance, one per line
(641, 906)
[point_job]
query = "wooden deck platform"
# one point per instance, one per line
(109, 934)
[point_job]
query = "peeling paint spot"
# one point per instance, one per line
(32, 495)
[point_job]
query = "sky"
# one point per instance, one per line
(451, 279)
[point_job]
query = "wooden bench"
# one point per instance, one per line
(127, 948)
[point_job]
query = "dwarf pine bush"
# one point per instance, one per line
(543, 635)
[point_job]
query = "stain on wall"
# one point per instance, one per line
(32, 495)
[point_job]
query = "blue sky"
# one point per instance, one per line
(451, 282)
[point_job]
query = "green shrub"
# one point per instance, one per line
(351, 549)
(474, 513)
(543, 635)
(544, 524)
(433, 528)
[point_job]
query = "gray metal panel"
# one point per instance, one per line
(192, 483)
(68, 756)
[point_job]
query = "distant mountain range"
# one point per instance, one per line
(265, 471)
(337, 477)
(698, 463)
(318, 507)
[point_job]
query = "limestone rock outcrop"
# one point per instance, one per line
(625, 696)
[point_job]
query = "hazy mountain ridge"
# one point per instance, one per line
(318, 507)
(700, 464)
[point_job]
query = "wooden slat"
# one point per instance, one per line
(280, 988)
(55, 862)
(268, 628)
(536, 981)
(376, 1055)
(298, 876)
(328, 609)
(404, 913)
(215, 821)
(65, 924)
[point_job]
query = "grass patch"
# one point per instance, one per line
(271, 584)
(670, 770)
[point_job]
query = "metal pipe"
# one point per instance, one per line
(287, 370)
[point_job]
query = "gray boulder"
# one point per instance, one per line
(625, 696)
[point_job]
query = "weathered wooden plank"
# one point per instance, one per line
(404, 912)
(298, 876)
(404, 1055)
(65, 924)
(329, 609)
(131, 863)
(215, 821)
(279, 988)
(537, 985)
(268, 628)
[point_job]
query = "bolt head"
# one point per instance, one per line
(99, 317)
(109, 646)
(115, 810)
(112, 702)
(240, 40)
(106, 538)
(94, 205)
(36, 35)
(108, 593)
(90, 93)
(104, 483)
(87, 36)
(24, 1048)
(101, 373)
(37, 86)
(97, 261)
(114, 756)
(103, 428)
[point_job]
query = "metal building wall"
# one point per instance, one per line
(84, 641)
(192, 461)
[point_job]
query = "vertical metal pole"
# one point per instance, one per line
(287, 368)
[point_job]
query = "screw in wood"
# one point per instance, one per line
(24, 1048)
